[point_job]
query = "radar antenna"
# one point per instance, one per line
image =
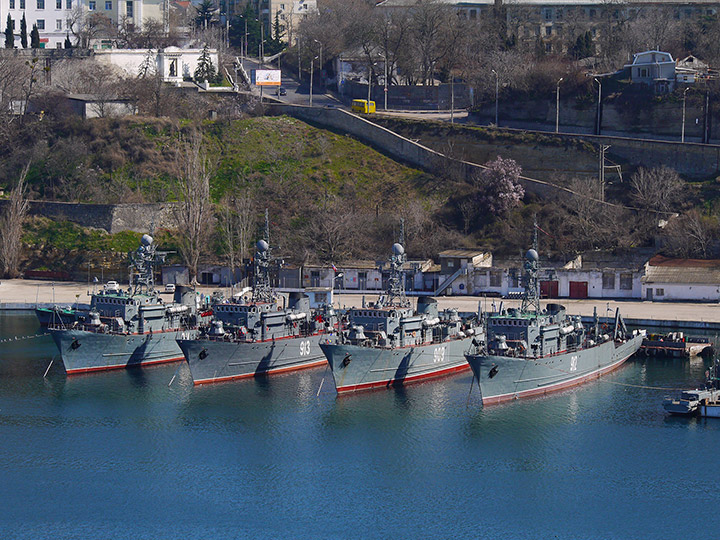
(142, 261)
(262, 290)
(531, 279)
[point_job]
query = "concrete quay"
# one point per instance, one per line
(26, 294)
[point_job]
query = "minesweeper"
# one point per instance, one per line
(389, 343)
(259, 337)
(128, 328)
(532, 351)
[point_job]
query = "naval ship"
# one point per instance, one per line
(259, 336)
(532, 351)
(389, 343)
(128, 328)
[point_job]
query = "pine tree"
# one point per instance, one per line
(205, 70)
(35, 37)
(9, 37)
(23, 32)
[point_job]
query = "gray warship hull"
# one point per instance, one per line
(504, 378)
(355, 367)
(83, 352)
(217, 360)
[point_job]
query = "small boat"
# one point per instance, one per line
(676, 345)
(690, 401)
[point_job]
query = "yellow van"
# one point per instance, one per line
(363, 106)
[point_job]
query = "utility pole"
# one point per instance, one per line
(598, 119)
(601, 170)
(557, 106)
(386, 79)
(497, 90)
(682, 132)
(452, 98)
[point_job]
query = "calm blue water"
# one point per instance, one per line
(123, 455)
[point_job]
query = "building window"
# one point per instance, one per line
(451, 264)
(608, 280)
(559, 14)
(41, 4)
(659, 292)
(626, 282)
(12, 4)
(91, 5)
(592, 14)
(22, 4)
(129, 8)
(495, 279)
(58, 24)
(58, 4)
(548, 30)
(108, 5)
(41, 24)
(548, 14)
(68, 4)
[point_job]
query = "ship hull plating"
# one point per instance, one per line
(363, 368)
(217, 361)
(84, 352)
(504, 378)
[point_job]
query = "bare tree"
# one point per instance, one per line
(87, 25)
(237, 222)
(193, 212)
(660, 188)
(11, 225)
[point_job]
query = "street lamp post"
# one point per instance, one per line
(497, 91)
(385, 90)
(369, 83)
(320, 59)
(557, 105)
(312, 63)
(598, 120)
(682, 133)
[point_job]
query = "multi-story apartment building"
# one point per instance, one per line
(56, 19)
(553, 23)
(288, 13)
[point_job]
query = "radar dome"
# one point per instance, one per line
(532, 255)
(262, 246)
(397, 249)
(146, 240)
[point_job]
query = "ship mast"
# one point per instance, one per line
(531, 279)
(262, 291)
(396, 281)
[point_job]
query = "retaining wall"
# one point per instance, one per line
(112, 218)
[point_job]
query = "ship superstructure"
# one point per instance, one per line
(128, 328)
(260, 336)
(389, 343)
(534, 350)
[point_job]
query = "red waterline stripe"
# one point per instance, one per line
(555, 387)
(268, 372)
(79, 371)
(406, 380)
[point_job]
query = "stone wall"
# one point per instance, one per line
(438, 97)
(112, 218)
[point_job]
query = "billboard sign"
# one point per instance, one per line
(266, 77)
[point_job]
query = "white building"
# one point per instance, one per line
(681, 280)
(653, 68)
(54, 17)
(173, 63)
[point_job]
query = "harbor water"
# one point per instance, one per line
(143, 454)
